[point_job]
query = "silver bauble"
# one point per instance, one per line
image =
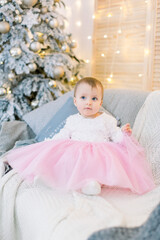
(29, 3)
(34, 103)
(44, 10)
(50, 8)
(58, 72)
(39, 36)
(18, 19)
(15, 52)
(65, 48)
(53, 23)
(2, 91)
(4, 27)
(32, 67)
(73, 45)
(11, 76)
(35, 46)
(52, 83)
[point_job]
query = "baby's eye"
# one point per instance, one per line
(94, 98)
(83, 97)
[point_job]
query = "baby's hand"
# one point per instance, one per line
(127, 129)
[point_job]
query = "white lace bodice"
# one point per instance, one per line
(100, 129)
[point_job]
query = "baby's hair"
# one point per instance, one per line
(93, 82)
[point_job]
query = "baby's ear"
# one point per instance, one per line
(74, 101)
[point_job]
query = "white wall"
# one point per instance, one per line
(79, 14)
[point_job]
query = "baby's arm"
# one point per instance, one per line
(115, 132)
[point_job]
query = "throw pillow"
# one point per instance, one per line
(38, 118)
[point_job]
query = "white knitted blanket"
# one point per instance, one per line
(31, 212)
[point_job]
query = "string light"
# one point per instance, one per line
(140, 75)
(146, 51)
(93, 17)
(105, 36)
(89, 37)
(148, 27)
(109, 79)
(109, 15)
(102, 55)
(87, 61)
(119, 31)
(118, 51)
(78, 23)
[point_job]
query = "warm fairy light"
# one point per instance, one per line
(109, 15)
(89, 37)
(111, 75)
(148, 27)
(78, 3)
(119, 31)
(118, 51)
(146, 1)
(140, 75)
(109, 79)
(105, 36)
(72, 79)
(146, 51)
(93, 17)
(121, 8)
(87, 61)
(102, 55)
(78, 23)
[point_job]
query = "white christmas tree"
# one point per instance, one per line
(37, 61)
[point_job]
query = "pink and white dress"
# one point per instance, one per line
(86, 149)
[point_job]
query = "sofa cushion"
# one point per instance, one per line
(147, 131)
(38, 118)
(124, 104)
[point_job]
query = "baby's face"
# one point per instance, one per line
(88, 100)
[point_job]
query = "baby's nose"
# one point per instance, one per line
(89, 102)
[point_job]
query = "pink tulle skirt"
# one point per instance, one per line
(69, 164)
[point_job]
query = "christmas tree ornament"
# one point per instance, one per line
(73, 44)
(29, 3)
(11, 76)
(50, 8)
(4, 27)
(17, 12)
(44, 10)
(2, 91)
(53, 23)
(65, 48)
(58, 72)
(35, 46)
(47, 20)
(39, 36)
(56, 1)
(34, 103)
(18, 19)
(52, 83)
(3, 2)
(16, 52)
(32, 67)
